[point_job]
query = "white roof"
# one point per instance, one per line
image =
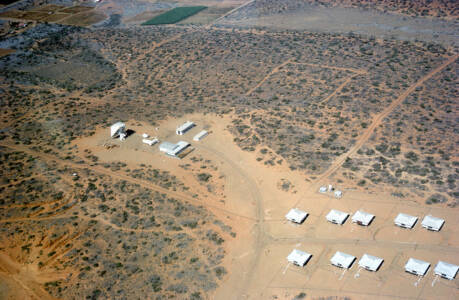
(342, 260)
(298, 257)
(296, 215)
(405, 219)
(115, 128)
(167, 147)
(370, 262)
(363, 217)
(432, 222)
(337, 216)
(200, 135)
(185, 126)
(416, 266)
(180, 146)
(446, 270)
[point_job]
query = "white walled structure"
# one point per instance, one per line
(432, 223)
(342, 260)
(298, 257)
(297, 216)
(446, 270)
(118, 130)
(200, 135)
(337, 217)
(150, 142)
(370, 262)
(172, 149)
(182, 129)
(362, 218)
(417, 267)
(405, 221)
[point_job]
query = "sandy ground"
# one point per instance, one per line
(255, 207)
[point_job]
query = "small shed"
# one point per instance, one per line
(432, 223)
(150, 142)
(202, 134)
(298, 257)
(342, 260)
(337, 217)
(370, 262)
(182, 129)
(417, 267)
(362, 218)
(446, 270)
(405, 221)
(118, 130)
(338, 194)
(323, 189)
(297, 216)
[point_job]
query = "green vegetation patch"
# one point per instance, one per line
(174, 15)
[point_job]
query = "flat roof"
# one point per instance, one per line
(342, 259)
(337, 216)
(405, 219)
(298, 257)
(416, 266)
(296, 215)
(432, 222)
(446, 270)
(370, 262)
(363, 217)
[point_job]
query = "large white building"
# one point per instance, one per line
(172, 149)
(336, 216)
(370, 262)
(298, 257)
(362, 218)
(446, 270)
(405, 221)
(432, 223)
(417, 267)
(296, 215)
(342, 260)
(182, 129)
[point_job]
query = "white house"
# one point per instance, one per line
(182, 129)
(296, 215)
(298, 257)
(200, 135)
(417, 267)
(118, 130)
(173, 149)
(362, 218)
(405, 221)
(337, 217)
(342, 260)
(370, 262)
(150, 142)
(432, 223)
(446, 270)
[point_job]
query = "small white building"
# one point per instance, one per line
(200, 135)
(182, 129)
(150, 142)
(298, 257)
(118, 130)
(446, 270)
(337, 217)
(172, 149)
(417, 267)
(338, 194)
(342, 260)
(323, 189)
(362, 218)
(297, 216)
(432, 223)
(405, 221)
(370, 262)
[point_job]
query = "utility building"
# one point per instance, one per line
(200, 136)
(417, 267)
(370, 262)
(297, 216)
(362, 218)
(337, 217)
(118, 130)
(405, 221)
(172, 149)
(432, 223)
(182, 129)
(342, 260)
(298, 257)
(446, 270)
